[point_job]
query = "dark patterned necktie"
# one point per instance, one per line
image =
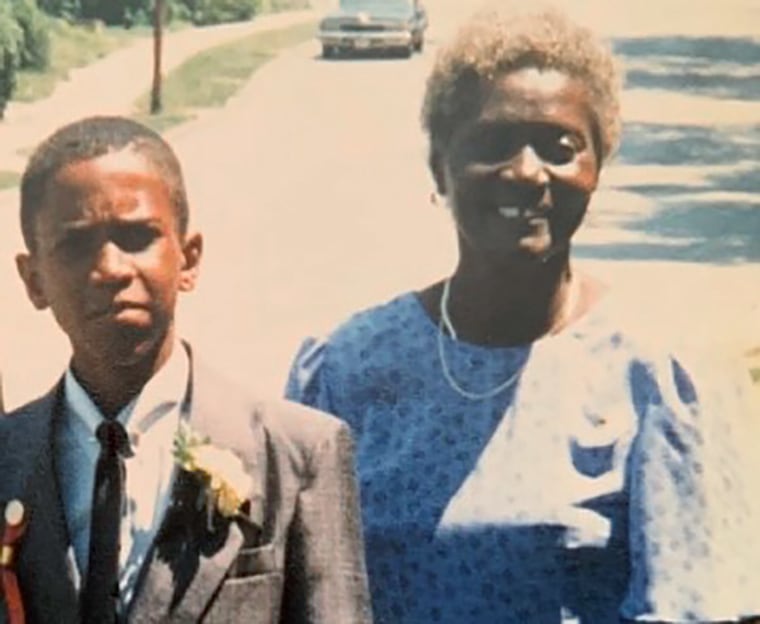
(100, 592)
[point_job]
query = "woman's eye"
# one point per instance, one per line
(488, 144)
(559, 150)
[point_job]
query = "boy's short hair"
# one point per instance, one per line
(90, 138)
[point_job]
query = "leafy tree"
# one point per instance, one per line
(10, 43)
(68, 9)
(34, 50)
(106, 10)
(219, 11)
(131, 12)
(285, 5)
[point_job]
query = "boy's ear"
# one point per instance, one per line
(27, 270)
(438, 170)
(192, 251)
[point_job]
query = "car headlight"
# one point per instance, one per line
(396, 25)
(329, 24)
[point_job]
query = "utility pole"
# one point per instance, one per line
(158, 31)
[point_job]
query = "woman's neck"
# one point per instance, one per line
(507, 307)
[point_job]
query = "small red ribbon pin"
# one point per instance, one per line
(13, 531)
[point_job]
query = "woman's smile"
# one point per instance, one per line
(519, 175)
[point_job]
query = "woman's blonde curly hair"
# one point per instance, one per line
(497, 41)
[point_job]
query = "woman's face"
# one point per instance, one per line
(520, 174)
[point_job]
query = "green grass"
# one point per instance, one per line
(72, 46)
(164, 120)
(754, 364)
(9, 179)
(210, 78)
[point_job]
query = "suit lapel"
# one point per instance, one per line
(187, 563)
(45, 574)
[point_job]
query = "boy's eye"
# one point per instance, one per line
(77, 244)
(84, 243)
(134, 238)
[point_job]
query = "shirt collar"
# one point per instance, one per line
(164, 391)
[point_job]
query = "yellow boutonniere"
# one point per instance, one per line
(221, 471)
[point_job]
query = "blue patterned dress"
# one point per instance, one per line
(600, 485)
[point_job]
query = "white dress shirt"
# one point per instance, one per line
(151, 420)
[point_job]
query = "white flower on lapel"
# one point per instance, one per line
(221, 471)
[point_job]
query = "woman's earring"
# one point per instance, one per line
(434, 198)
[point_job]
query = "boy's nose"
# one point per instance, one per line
(111, 265)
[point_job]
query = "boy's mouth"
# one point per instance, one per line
(118, 309)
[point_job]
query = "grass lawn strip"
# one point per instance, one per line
(754, 364)
(9, 179)
(210, 78)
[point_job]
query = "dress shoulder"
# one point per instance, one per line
(348, 347)
(694, 493)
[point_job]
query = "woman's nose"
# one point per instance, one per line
(526, 166)
(111, 265)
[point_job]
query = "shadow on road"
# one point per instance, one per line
(687, 230)
(694, 190)
(664, 144)
(711, 66)
(713, 217)
(364, 55)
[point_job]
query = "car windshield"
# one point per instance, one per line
(382, 7)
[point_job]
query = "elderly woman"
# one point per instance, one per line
(523, 458)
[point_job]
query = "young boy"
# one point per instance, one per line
(149, 488)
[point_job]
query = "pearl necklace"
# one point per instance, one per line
(445, 322)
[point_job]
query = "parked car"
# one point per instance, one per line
(397, 25)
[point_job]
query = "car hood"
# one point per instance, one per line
(373, 13)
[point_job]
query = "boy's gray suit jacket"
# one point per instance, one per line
(297, 556)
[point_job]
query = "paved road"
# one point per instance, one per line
(312, 190)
